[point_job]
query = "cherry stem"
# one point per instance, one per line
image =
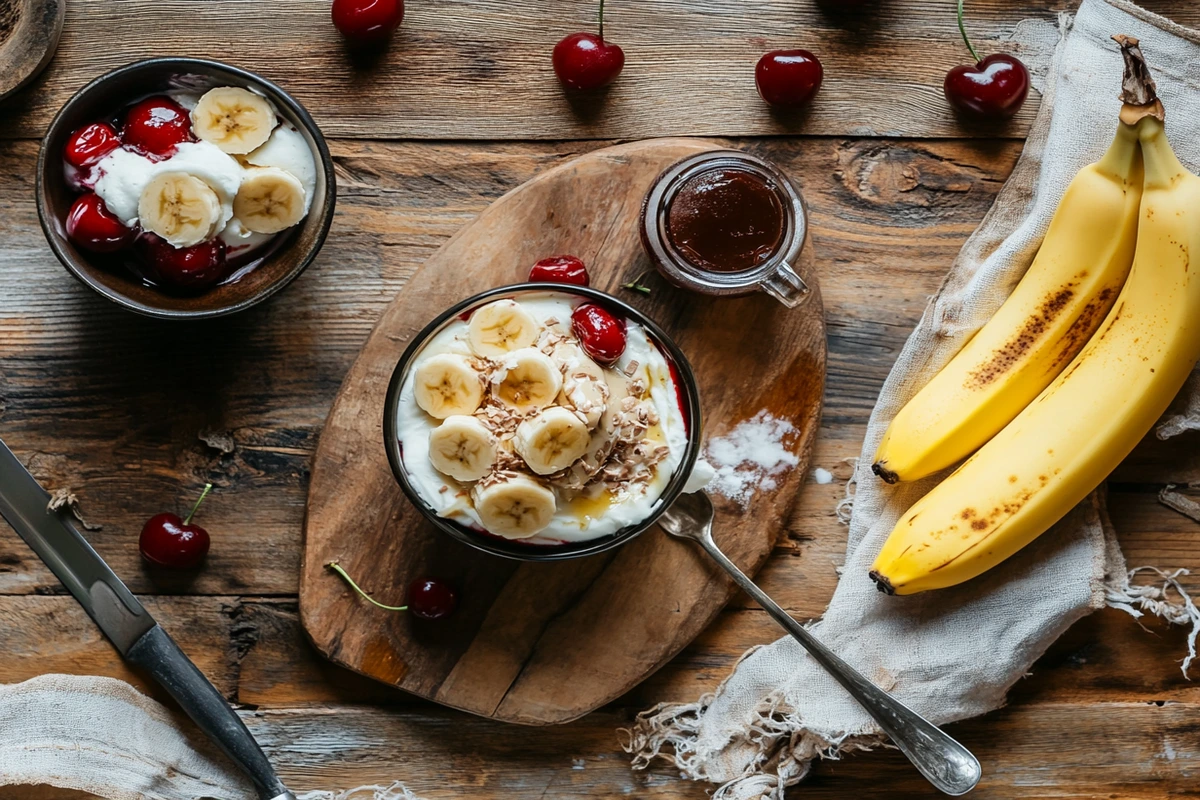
(963, 31)
(336, 567)
(204, 494)
(602, 20)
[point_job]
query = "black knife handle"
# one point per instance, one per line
(157, 653)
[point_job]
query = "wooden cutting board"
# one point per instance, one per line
(547, 643)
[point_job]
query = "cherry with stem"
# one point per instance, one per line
(994, 88)
(428, 598)
(585, 61)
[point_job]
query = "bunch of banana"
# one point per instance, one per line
(1064, 443)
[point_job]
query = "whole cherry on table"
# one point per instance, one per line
(788, 78)
(175, 543)
(994, 88)
(367, 21)
(428, 598)
(586, 61)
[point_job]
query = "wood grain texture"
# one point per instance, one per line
(113, 406)
(29, 34)
(547, 643)
(480, 69)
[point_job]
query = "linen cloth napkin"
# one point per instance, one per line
(100, 735)
(953, 653)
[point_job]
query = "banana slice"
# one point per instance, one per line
(180, 208)
(552, 440)
(236, 120)
(446, 385)
(585, 387)
(531, 382)
(463, 448)
(501, 327)
(269, 200)
(517, 507)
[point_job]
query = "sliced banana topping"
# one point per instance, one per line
(531, 380)
(180, 208)
(463, 448)
(552, 440)
(269, 200)
(234, 119)
(501, 327)
(446, 384)
(515, 506)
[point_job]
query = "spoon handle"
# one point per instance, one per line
(944, 762)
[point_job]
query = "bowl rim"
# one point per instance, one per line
(514, 549)
(182, 63)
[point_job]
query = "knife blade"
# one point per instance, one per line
(125, 621)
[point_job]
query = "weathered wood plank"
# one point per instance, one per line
(1041, 750)
(40, 635)
(257, 654)
(1140, 751)
(480, 69)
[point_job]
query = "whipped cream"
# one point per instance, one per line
(580, 516)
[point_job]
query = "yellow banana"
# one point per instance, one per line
(1072, 436)
(1063, 297)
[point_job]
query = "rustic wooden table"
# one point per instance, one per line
(135, 415)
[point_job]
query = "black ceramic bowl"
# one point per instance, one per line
(508, 548)
(117, 89)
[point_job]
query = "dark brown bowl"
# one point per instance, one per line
(111, 92)
(516, 549)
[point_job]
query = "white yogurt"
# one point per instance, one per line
(577, 521)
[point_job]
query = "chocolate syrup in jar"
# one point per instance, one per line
(726, 220)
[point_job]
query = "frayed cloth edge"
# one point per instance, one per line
(1139, 600)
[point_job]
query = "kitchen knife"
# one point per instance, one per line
(127, 624)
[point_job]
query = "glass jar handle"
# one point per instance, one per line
(785, 285)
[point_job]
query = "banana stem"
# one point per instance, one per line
(1138, 90)
(336, 567)
(961, 29)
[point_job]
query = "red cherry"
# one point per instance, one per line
(196, 267)
(431, 598)
(995, 88)
(367, 20)
(560, 269)
(155, 125)
(788, 77)
(91, 143)
(585, 61)
(169, 541)
(600, 333)
(93, 227)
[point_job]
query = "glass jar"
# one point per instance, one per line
(726, 223)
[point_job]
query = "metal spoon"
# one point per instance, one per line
(944, 762)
